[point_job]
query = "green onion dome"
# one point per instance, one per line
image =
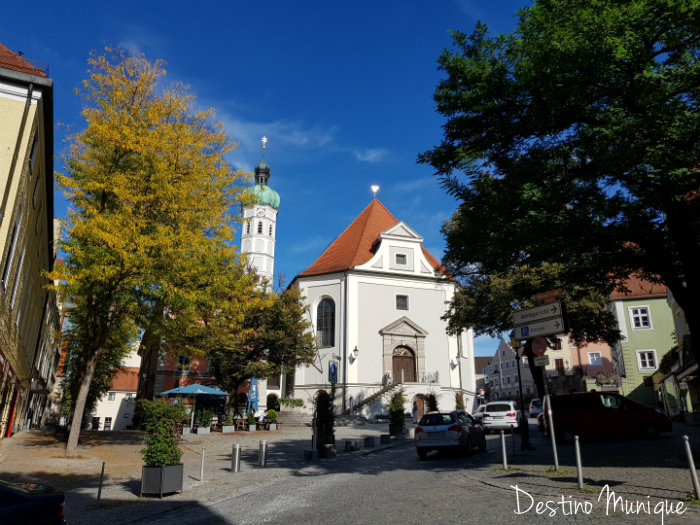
(266, 195)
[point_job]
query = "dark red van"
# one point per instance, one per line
(604, 415)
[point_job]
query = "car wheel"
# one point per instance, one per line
(468, 450)
(650, 432)
(482, 446)
(567, 436)
(422, 453)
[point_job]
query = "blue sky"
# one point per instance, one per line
(343, 91)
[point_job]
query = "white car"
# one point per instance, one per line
(500, 415)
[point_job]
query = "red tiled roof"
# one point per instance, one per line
(126, 380)
(353, 247)
(11, 60)
(639, 288)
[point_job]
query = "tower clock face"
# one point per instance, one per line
(261, 213)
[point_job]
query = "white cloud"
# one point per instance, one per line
(411, 186)
(371, 155)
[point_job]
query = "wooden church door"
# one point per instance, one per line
(404, 365)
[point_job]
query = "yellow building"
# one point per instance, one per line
(29, 324)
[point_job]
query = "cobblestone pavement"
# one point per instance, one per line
(636, 470)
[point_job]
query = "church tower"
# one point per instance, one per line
(260, 222)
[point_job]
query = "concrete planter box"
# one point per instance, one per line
(273, 426)
(227, 429)
(161, 480)
(186, 430)
(253, 427)
(203, 431)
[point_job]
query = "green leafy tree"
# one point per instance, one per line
(276, 337)
(432, 402)
(575, 140)
(150, 193)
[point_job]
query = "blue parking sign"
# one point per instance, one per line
(524, 331)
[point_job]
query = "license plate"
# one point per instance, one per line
(435, 434)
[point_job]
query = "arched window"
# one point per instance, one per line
(247, 227)
(325, 323)
(259, 226)
(270, 230)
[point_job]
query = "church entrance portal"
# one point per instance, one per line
(403, 365)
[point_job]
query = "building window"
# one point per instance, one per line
(646, 359)
(270, 230)
(108, 423)
(183, 363)
(556, 345)
(594, 359)
(400, 258)
(111, 396)
(247, 227)
(32, 156)
(506, 365)
(325, 322)
(640, 318)
(259, 226)
(402, 302)
(13, 248)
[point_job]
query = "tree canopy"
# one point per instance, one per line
(150, 197)
(575, 140)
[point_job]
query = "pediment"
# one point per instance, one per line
(402, 230)
(405, 327)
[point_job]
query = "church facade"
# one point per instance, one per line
(376, 297)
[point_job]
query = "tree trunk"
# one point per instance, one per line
(79, 405)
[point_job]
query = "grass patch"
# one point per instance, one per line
(587, 490)
(551, 471)
(509, 469)
(690, 499)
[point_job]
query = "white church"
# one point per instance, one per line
(376, 297)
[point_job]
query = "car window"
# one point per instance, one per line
(536, 403)
(611, 401)
(499, 407)
(436, 419)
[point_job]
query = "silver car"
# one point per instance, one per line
(455, 430)
(500, 415)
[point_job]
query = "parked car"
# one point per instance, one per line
(500, 415)
(604, 415)
(455, 430)
(479, 412)
(535, 407)
(31, 504)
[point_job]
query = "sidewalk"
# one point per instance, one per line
(29, 455)
(635, 469)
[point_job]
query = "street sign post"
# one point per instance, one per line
(548, 327)
(538, 313)
(541, 360)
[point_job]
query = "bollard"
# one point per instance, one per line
(503, 450)
(691, 466)
(99, 490)
(579, 468)
(201, 470)
(236, 459)
(262, 456)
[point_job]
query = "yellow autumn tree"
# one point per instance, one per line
(150, 224)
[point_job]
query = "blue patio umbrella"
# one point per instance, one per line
(194, 390)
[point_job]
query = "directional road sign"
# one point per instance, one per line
(541, 360)
(538, 313)
(547, 327)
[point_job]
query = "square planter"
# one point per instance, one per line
(203, 431)
(273, 426)
(252, 428)
(227, 429)
(186, 430)
(161, 480)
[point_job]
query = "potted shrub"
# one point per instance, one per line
(203, 419)
(396, 416)
(251, 422)
(227, 425)
(272, 416)
(162, 472)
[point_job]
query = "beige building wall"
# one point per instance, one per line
(28, 320)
